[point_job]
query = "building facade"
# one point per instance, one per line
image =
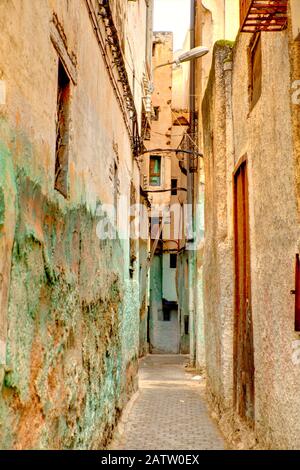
(251, 304)
(73, 79)
(211, 20)
(164, 180)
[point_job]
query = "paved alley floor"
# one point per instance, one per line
(169, 412)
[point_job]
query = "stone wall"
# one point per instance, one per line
(69, 323)
(264, 135)
(218, 252)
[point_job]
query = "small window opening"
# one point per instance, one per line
(156, 113)
(173, 187)
(154, 48)
(186, 324)
(173, 260)
(62, 131)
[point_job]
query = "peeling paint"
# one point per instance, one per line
(70, 363)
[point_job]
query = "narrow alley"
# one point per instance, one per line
(169, 411)
(149, 226)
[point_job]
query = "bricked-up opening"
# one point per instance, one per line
(62, 131)
(255, 55)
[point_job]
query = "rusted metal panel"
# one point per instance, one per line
(297, 294)
(263, 15)
(243, 336)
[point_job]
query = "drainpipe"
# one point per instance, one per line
(190, 197)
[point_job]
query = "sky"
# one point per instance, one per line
(172, 15)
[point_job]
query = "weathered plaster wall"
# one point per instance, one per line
(214, 20)
(155, 297)
(144, 291)
(164, 335)
(183, 299)
(219, 20)
(265, 135)
(169, 279)
(181, 78)
(218, 255)
(161, 128)
(199, 307)
(71, 322)
(295, 18)
(294, 51)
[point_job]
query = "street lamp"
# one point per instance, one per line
(187, 56)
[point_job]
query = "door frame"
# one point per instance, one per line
(240, 404)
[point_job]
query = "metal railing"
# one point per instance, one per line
(263, 15)
(244, 9)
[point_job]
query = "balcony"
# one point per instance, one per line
(263, 15)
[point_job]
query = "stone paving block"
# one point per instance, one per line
(170, 413)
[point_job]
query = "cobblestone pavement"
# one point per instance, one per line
(169, 412)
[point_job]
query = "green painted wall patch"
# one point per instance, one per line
(2, 207)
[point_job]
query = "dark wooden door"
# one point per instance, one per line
(243, 337)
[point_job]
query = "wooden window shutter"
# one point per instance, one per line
(297, 294)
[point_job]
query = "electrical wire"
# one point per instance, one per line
(170, 135)
(133, 71)
(193, 142)
(164, 190)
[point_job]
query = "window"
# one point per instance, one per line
(156, 113)
(62, 131)
(255, 70)
(155, 165)
(186, 324)
(173, 187)
(154, 44)
(173, 260)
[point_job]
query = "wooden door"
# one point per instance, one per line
(243, 336)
